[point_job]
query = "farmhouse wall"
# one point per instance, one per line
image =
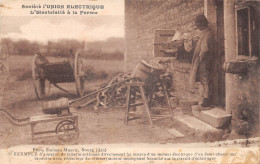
(180, 73)
(142, 18)
(242, 88)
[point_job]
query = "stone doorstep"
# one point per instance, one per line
(216, 116)
(192, 126)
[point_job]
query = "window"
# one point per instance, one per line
(162, 43)
(243, 31)
(247, 29)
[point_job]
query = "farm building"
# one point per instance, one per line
(151, 24)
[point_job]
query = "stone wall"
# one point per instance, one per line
(143, 17)
(180, 73)
(245, 101)
(242, 85)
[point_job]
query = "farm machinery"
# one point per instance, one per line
(144, 78)
(55, 113)
(70, 70)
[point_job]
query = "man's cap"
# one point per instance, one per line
(201, 21)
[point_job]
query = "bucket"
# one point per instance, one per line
(148, 72)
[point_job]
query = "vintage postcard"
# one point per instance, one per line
(129, 81)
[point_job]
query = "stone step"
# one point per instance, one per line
(192, 126)
(217, 117)
(175, 133)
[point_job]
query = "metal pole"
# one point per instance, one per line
(75, 100)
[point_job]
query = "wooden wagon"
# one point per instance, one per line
(69, 70)
(66, 129)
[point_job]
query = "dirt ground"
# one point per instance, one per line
(104, 126)
(96, 127)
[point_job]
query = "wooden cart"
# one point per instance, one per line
(70, 70)
(66, 129)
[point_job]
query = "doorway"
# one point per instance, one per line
(220, 52)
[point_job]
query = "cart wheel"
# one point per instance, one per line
(79, 74)
(70, 131)
(38, 81)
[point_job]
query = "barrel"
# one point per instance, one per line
(55, 107)
(148, 72)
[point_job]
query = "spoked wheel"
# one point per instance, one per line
(38, 80)
(67, 131)
(79, 74)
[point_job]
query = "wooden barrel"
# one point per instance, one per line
(149, 73)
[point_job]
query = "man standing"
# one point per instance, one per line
(201, 69)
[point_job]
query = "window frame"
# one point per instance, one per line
(238, 7)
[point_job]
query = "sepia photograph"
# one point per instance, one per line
(123, 81)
